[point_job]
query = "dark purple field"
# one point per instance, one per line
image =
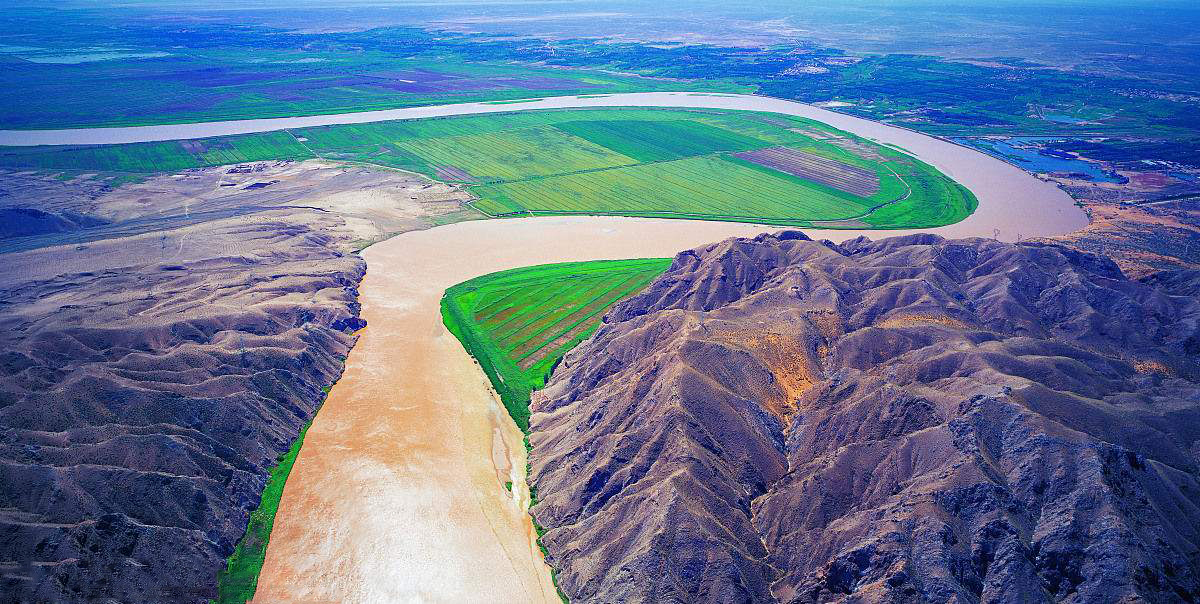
(407, 81)
(452, 174)
(843, 177)
(433, 82)
(211, 77)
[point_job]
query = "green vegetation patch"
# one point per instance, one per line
(514, 154)
(658, 140)
(148, 158)
(936, 201)
(239, 580)
(670, 163)
(708, 187)
(519, 323)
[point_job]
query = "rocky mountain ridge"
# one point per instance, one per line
(146, 391)
(162, 343)
(911, 419)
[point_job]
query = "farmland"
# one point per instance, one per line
(843, 177)
(513, 154)
(674, 163)
(519, 323)
(152, 158)
(701, 187)
(162, 75)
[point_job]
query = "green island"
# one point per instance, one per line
(519, 323)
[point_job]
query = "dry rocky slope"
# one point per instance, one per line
(1142, 240)
(905, 420)
(150, 375)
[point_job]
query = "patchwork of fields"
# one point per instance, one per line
(210, 84)
(519, 323)
(843, 177)
(674, 163)
(703, 187)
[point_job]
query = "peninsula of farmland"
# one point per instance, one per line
(673, 163)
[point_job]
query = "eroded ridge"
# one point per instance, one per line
(915, 418)
(144, 402)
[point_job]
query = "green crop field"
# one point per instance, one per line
(519, 323)
(659, 140)
(514, 154)
(672, 163)
(151, 158)
(703, 187)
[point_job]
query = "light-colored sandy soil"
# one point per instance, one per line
(368, 203)
(1141, 239)
(373, 202)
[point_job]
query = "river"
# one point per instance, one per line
(399, 492)
(1012, 203)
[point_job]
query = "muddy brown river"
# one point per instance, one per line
(398, 494)
(1012, 202)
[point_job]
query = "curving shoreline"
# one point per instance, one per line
(400, 493)
(1013, 204)
(113, 135)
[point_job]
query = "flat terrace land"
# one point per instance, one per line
(518, 323)
(674, 163)
(191, 85)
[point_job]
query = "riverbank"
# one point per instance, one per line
(1013, 204)
(399, 493)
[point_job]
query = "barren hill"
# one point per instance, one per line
(142, 404)
(158, 358)
(911, 419)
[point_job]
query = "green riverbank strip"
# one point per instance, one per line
(519, 323)
(239, 580)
